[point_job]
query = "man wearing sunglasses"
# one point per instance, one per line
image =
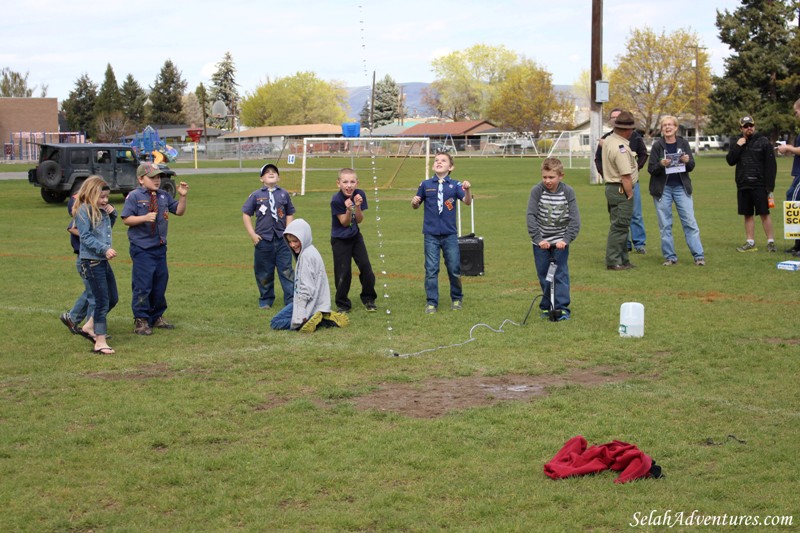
(756, 169)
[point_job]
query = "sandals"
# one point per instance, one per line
(105, 350)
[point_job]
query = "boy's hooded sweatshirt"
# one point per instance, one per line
(311, 290)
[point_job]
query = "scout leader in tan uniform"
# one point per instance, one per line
(620, 172)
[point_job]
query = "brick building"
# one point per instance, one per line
(21, 118)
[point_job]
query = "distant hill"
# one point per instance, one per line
(412, 91)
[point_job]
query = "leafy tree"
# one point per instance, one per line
(15, 85)
(299, 99)
(465, 80)
(79, 106)
(583, 85)
(202, 97)
(223, 86)
(761, 76)
(656, 76)
(387, 107)
(109, 99)
(527, 101)
(166, 96)
(132, 99)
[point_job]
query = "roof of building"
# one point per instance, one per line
(465, 127)
(299, 130)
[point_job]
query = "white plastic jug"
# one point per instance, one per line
(631, 320)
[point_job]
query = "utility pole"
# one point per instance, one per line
(697, 49)
(596, 118)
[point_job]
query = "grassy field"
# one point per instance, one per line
(224, 425)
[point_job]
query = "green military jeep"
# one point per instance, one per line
(63, 167)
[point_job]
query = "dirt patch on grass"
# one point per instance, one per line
(775, 340)
(437, 397)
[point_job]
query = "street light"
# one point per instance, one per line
(220, 110)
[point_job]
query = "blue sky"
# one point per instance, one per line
(57, 41)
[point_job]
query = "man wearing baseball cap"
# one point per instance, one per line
(754, 158)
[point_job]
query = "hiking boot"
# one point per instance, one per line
(141, 327)
(669, 263)
(747, 247)
(430, 309)
(700, 262)
(160, 323)
(339, 320)
(310, 326)
(67, 321)
(771, 247)
(456, 305)
(371, 307)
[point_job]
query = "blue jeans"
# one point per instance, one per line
(283, 318)
(638, 236)
(542, 260)
(448, 244)
(685, 206)
(104, 287)
(149, 277)
(84, 305)
(267, 256)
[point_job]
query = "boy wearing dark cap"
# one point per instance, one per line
(146, 213)
(273, 209)
(756, 170)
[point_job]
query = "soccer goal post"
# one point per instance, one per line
(393, 159)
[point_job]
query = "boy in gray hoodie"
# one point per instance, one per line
(311, 307)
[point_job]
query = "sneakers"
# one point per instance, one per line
(771, 247)
(747, 247)
(669, 263)
(430, 309)
(371, 307)
(67, 321)
(701, 262)
(456, 305)
(641, 250)
(310, 326)
(544, 314)
(160, 323)
(564, 315)
(339, 320)
(343, 310)
(141, 327)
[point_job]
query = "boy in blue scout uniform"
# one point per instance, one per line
(440, 194)
(273, 209)
(347, 212)
(146, 213)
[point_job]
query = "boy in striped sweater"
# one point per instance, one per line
(553, 223)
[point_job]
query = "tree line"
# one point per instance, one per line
(658, 74)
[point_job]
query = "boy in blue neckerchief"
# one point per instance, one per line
(440, 194)
(273, 209)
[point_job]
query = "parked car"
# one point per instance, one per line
(62, 168)
(189, 148)
(708, 142)
(439, 147)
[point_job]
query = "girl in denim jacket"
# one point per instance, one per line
(94, 217)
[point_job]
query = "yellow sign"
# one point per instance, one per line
(791, 220)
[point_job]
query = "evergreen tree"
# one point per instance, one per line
(757, 79)
(79, 106)
(387, 105)
(364, 115)
(223, 86)
(109, 98)
(166, 96)
(132, 99)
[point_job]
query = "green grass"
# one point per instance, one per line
(224, 425)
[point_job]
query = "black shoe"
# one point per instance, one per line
(371, 307)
